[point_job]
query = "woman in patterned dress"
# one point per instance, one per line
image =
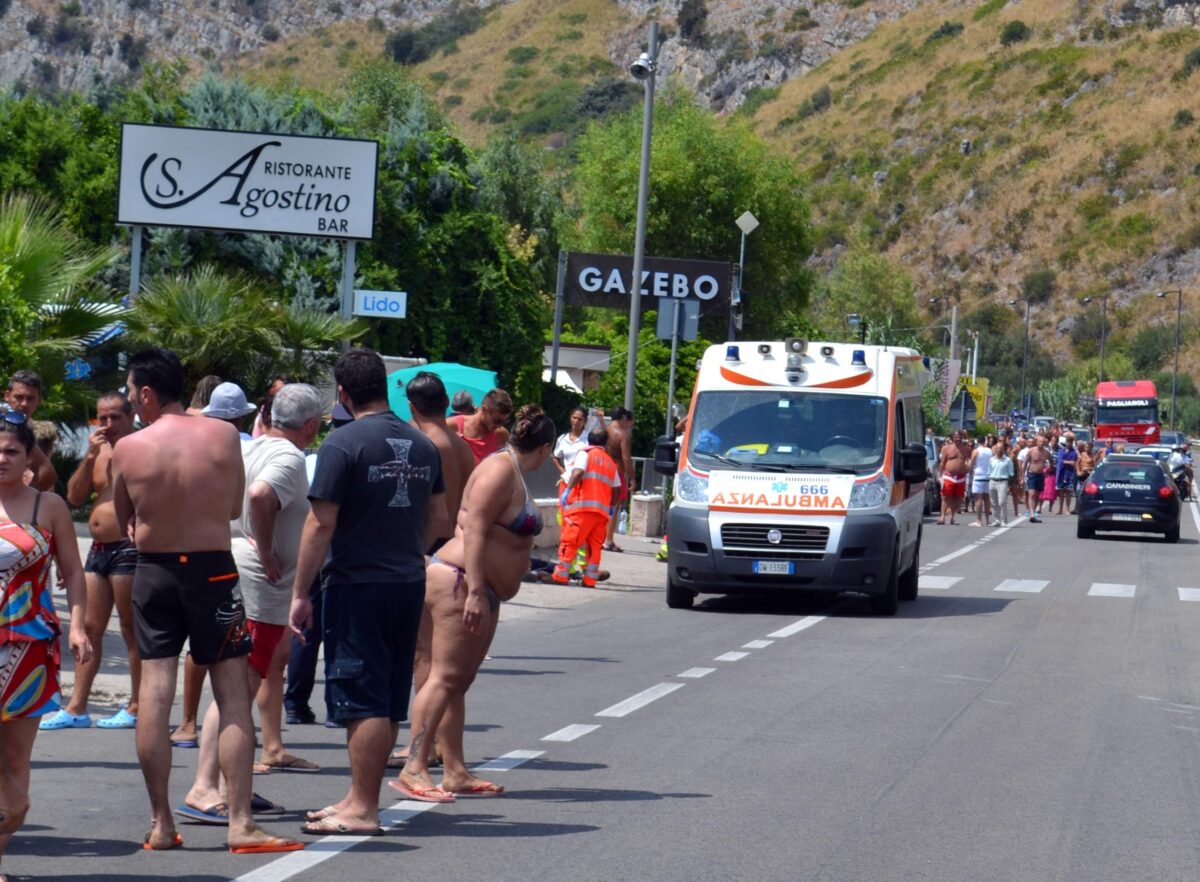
(35, 528)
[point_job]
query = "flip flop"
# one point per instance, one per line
(260, 805)
(218, 814)
(60, 719)
(612, 546)
(397, 762)
(482, 790)
(421, 794)
(290, 763)
(271, 846)
(177, 842)
(329, 827)
(122, 719)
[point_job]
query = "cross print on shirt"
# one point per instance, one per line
(401, 470)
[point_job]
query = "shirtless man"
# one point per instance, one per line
(177, 484)
(1037, 460)
(620, 448)
(25, 394)
(484, 430)
(954, 463)
(428, 401)
(108, 570)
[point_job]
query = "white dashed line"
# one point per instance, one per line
(757, 644)
(697, 673)
(1023, 586)
(570, 733)
(731, 656)
(1111, 589)
(1189, 593)
(937, 583)
(508, 761)
(797, 627)
(643, 698)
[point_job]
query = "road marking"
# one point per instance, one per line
(966, 549)
(696, 673)
(797, 627)
(570, 733)
(1111, 589)
(757, 644)
(937, 583)
(508, 761)
(643, 698)
(321, 850)
(731, 656)
(1189, 593)
(1025, 586)
(1195, 514)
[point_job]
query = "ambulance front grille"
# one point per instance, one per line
(740, 540)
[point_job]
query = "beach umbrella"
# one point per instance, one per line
(456, 377)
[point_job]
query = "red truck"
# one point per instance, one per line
(1127, 411)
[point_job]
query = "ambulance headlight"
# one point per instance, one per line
(871, 494)
(690, 487)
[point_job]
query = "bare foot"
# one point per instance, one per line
(471, 787)
(321, 814)
(161, 837)
(184, 732)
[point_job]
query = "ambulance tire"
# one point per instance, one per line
(679, 598)
(910, 578)
(888, 602)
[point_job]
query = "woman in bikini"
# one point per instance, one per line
(467, 580)
(35, 528)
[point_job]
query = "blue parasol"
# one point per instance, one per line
(456, 377)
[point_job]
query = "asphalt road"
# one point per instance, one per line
(1034, 715)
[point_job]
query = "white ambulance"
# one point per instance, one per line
(802, 468)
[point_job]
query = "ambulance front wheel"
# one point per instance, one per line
(678, 597)
(888, 602)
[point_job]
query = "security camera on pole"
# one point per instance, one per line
(643, 69)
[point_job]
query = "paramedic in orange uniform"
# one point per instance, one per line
(588, 502)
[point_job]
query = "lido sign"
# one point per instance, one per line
(247, 181)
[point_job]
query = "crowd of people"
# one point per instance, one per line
(393, 547)
(1032, 471)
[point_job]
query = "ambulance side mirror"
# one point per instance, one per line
(666, 455)
(912, 465)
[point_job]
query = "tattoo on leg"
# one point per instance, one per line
(415, 746)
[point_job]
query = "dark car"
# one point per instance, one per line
(1129, 492)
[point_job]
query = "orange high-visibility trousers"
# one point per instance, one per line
(581, 528)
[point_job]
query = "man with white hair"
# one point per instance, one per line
(266, 541)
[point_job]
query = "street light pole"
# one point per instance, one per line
(1025, 353)
(643, 69)
(747, 223)
(1178, 318)
(1103, 327)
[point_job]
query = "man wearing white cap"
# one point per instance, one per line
(229, 403)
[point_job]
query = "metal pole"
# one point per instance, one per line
(975, 360)
(1025, 362)
(559, 293)
(1103, 333)
(954, 332)
(1175, 374)
(639, 241)
(135, 261)
(735, 300)
(348, 248)
(676, 305)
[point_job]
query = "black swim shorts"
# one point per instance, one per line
(111, 558)
(190, 596)
(370, 634)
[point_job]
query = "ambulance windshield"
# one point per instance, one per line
(777, 430)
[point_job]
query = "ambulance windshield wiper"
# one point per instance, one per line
(743, 464)
(841, 470)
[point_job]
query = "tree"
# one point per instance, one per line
(692, 18)
(1149, 348)
(224, 324)
(702, 177)
(50, 303)
(866, 283)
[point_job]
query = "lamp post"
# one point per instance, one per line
(1175, 374)
(643, 69)
(747, 223)
(1025, 353)
(1103, 327)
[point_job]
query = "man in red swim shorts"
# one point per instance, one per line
(954, 464)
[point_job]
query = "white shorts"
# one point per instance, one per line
(981, 488)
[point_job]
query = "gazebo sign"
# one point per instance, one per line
(247, 181)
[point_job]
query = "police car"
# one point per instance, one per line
(1129, 492)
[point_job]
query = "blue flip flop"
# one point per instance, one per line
(217, 815)
(122, 719)
(60, 719)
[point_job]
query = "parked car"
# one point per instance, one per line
(933, 483)
(1129, 492)
(1168, 438)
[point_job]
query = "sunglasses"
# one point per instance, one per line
(14, 417)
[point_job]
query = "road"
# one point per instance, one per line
(1034, 715)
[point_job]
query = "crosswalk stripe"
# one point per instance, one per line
(1024, 586)
(1111, 589)
(938, 583)
(1189, 593)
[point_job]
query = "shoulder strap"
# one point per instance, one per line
(37, 501)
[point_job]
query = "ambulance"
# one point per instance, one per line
(801, 469)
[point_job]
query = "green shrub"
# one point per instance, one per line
(989, 8)
(945, 31)
(439, 77)
(1016, 31)
(756, 97)
(821, 99)
(568, 36)
(1039, 285)
(452, 101)
(1183, 118)
(1191, 61)
(270, 33)
(1095, 209)
(412, 46)
(1135, 225)
(692, 18)
(800, 20)
(521, 54)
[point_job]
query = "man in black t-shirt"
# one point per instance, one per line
(378, 501)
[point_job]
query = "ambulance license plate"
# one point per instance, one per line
(775, 567)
